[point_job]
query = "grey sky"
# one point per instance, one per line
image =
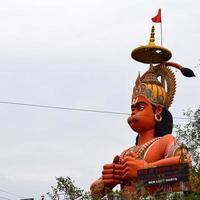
(77, 54)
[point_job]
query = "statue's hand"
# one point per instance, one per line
(131, 166)
(112, 173)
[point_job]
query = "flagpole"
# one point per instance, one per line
(161, 39)
(158, 19)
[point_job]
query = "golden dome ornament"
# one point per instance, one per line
(151, 53)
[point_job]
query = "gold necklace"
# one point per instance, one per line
(138, 150)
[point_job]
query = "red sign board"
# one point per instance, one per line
(171, 178)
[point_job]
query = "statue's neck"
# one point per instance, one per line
(146, 136)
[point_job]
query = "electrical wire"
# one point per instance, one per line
(1, 197)
(72, 109)
(63, 108)
(11, 193)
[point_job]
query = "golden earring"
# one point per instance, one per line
(158, 117)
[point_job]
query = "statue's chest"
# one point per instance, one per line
(139, 151)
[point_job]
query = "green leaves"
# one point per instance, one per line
(65, 189)
(189, 134)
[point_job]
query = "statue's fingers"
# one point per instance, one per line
(126, 169)
(128, 172)
(111, 181)
(127, 159)
(107, 171)
(118, 166)
(108, 166)
(116, 159)
(118, 172)
(133, 154)
(128, 163)
(117, 177)
(126, 175)
(107, 176)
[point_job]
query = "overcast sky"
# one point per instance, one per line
(76, 54)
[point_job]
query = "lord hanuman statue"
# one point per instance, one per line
(150, 118)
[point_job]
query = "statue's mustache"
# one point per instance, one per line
(133, 119)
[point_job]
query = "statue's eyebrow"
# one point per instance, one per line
(136, 104)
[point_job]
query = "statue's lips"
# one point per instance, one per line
(133, 119)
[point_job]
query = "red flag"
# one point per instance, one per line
(157, 18)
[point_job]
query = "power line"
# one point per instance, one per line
(73, 109)
(63, 108)
(10, 193)
(1, 197)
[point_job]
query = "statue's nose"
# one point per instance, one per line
(132, 113)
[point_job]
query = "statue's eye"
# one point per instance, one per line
(132, 108)
(140, 107)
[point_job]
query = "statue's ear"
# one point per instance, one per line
(159, 109)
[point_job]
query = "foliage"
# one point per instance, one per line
(66, 190)
(189, 134)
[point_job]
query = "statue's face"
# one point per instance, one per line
(142, 116)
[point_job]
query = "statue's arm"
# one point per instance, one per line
(98, 189)
(175, 153)
(167, 161)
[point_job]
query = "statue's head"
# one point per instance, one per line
(151, 100)
(154, 91)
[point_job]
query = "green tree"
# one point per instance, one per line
(65, 189)
(189, 134)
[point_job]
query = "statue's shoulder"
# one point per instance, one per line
(163, 143)
(166, 139)
(173, 145)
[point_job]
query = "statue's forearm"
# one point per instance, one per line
(99, 189)
(167, 161)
